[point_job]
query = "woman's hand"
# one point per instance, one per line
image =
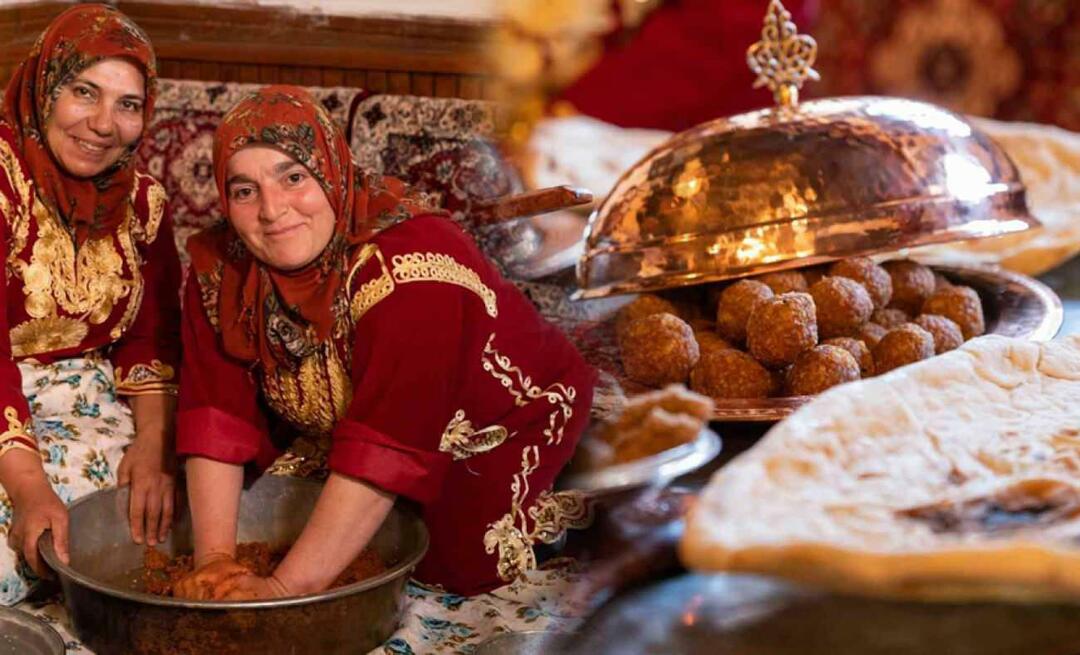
(202, 583)
(250, 587)
(149, 468)
(37, 509)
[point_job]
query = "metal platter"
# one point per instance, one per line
(647, 471)
(725, 614)
(1015, 306)
(23, 634)
(559, 245)
(530, 642)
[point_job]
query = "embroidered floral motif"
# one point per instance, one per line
(146, 378)
(155, 198)
(49, 334)
(315, 396)
(17, 216)
(438, 267)
(305, 458)
(17, 435)
(552, 513)
(209, 288)
(510, 534)
(462, 441)
(523, 390)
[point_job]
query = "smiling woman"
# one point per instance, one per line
(88, 329)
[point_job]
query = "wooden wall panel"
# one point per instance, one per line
(433, 57)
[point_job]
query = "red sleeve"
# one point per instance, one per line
(219, 414)
(147, 355)
(15, 431)
(410, 352)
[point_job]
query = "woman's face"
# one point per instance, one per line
(97, 117)
(277, 207)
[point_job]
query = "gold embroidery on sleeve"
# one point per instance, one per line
(523, 390)
(155, 200)
(146, 378)
(375, 289)
(552, 514)
(438, 267)
(17, 435)
(462, 441)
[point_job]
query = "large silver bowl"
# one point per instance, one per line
(111, 616)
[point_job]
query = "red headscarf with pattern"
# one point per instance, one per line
(77, 39)
(298, 307)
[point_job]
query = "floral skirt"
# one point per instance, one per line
(82, 428)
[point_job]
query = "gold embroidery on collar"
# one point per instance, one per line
(313, 398)
(462, 441)
(209, 289)
(127, 245)
(438, 267)
(146, 378)
(18, 217)
(552, 513)
(375, 289)
(523, 390)
(17, 435)
(89, 283)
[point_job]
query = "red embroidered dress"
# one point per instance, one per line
(104, 276)
(438, 382)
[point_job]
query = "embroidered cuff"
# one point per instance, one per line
(17, 436)
(365, 453)
(155, 377)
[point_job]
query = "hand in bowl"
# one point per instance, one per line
(250, 587)
(38, 509)
(202, 583)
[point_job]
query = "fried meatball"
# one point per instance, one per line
(642, 306)
(819, 368)
(858, 350)
(814, 273)
(941, 282)
(890, 317)
(874, 278)
(962, 306)
(902, 345)
(871, 333)
(736, 303)
(842, 306)
(912, 284)
(709, 340)
(730, 374)
(946, 333)
(784, 281)
(658, 349)
(782, 327)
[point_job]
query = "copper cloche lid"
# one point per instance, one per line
(798, 184)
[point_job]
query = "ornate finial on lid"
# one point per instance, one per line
(783, 59)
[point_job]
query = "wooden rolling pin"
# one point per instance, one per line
(530, 203)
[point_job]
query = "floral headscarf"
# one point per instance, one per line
(274, 316)
(77, 39)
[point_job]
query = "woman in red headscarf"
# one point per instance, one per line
(333, 307)
(89, 340)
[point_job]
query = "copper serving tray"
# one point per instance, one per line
(1015, 306)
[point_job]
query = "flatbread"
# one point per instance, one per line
(956, 478)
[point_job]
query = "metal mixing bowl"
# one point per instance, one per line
(111, 616)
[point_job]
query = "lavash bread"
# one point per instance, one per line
(853, 491)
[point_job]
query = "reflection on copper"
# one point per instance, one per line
(771, 190)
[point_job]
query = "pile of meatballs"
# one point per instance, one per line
(796, 332)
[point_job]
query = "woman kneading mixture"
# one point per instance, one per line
(89, 330)
(333, 306)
